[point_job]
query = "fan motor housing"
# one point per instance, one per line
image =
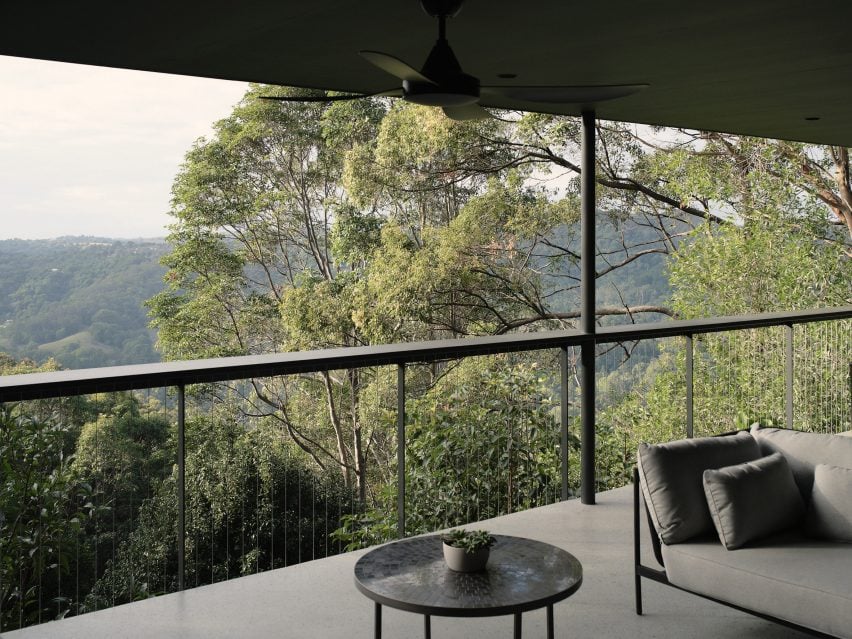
(463, 90)
(446, 8)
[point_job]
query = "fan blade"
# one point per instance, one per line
(394, 66)
(391, 93)
(565, 94)
(466, 112)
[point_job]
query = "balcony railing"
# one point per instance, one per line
(268, 508)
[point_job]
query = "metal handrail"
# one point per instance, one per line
(181, 373)
(116, 378)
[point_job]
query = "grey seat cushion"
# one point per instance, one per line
(801, 580)
(804, 451)
(752, 500)
(671, 479)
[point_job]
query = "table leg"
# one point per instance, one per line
(517, 625)
(427, 627)
(550, 622)
(378, 622)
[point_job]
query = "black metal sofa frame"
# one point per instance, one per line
(660, 576)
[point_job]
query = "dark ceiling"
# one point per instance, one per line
(759, 67)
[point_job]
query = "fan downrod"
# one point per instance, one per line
(441, 8)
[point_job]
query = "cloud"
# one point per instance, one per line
(87, 194)
(96, 149)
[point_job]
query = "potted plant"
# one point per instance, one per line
(467, 550)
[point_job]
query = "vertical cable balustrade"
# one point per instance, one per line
(482, 438)
(822, 395)
(746, 373)
(223, 482)
(642, 397)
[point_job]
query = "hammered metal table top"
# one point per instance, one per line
(522, 574)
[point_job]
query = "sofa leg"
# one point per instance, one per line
(638, 594)
(637, 556)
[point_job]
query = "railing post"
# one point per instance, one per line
(400, 449)
(587, 420)
(181, 483)
(690, 379)
(788, 374)
(587, 308)
(563, 419)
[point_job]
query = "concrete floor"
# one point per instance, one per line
(318, 599)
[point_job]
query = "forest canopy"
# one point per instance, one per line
(300, 226)
(312, 225)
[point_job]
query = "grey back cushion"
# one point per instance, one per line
(804, 451)
(671, 478)
(830, 512)
(752, 500)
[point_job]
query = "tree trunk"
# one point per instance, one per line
(360, 458)
(342, 453)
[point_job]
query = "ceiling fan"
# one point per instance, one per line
(442, 83)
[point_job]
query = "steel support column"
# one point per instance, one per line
(587, 308)
(181, 482)
(400, 450)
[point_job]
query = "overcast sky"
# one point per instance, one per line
(93, 151)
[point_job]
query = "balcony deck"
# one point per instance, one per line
(319, 599)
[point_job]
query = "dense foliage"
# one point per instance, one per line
(400, 224)
(89, 503)
(314, 225)
(483, 441)
(44, 505)
(252, 504)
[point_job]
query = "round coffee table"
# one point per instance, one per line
(522, 574)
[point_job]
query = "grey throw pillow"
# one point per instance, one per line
(804, 451)
(830, 512)
(671, 474)
(752, 500)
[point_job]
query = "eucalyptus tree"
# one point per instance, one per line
(783, 245)
(657, 188)
(259, 214)
(310, 225)
(503, 252)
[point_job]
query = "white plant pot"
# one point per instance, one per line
(459, 560)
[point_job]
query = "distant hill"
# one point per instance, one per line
(638, 282)
(79, 299)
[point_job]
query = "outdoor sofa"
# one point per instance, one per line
(760, 521)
